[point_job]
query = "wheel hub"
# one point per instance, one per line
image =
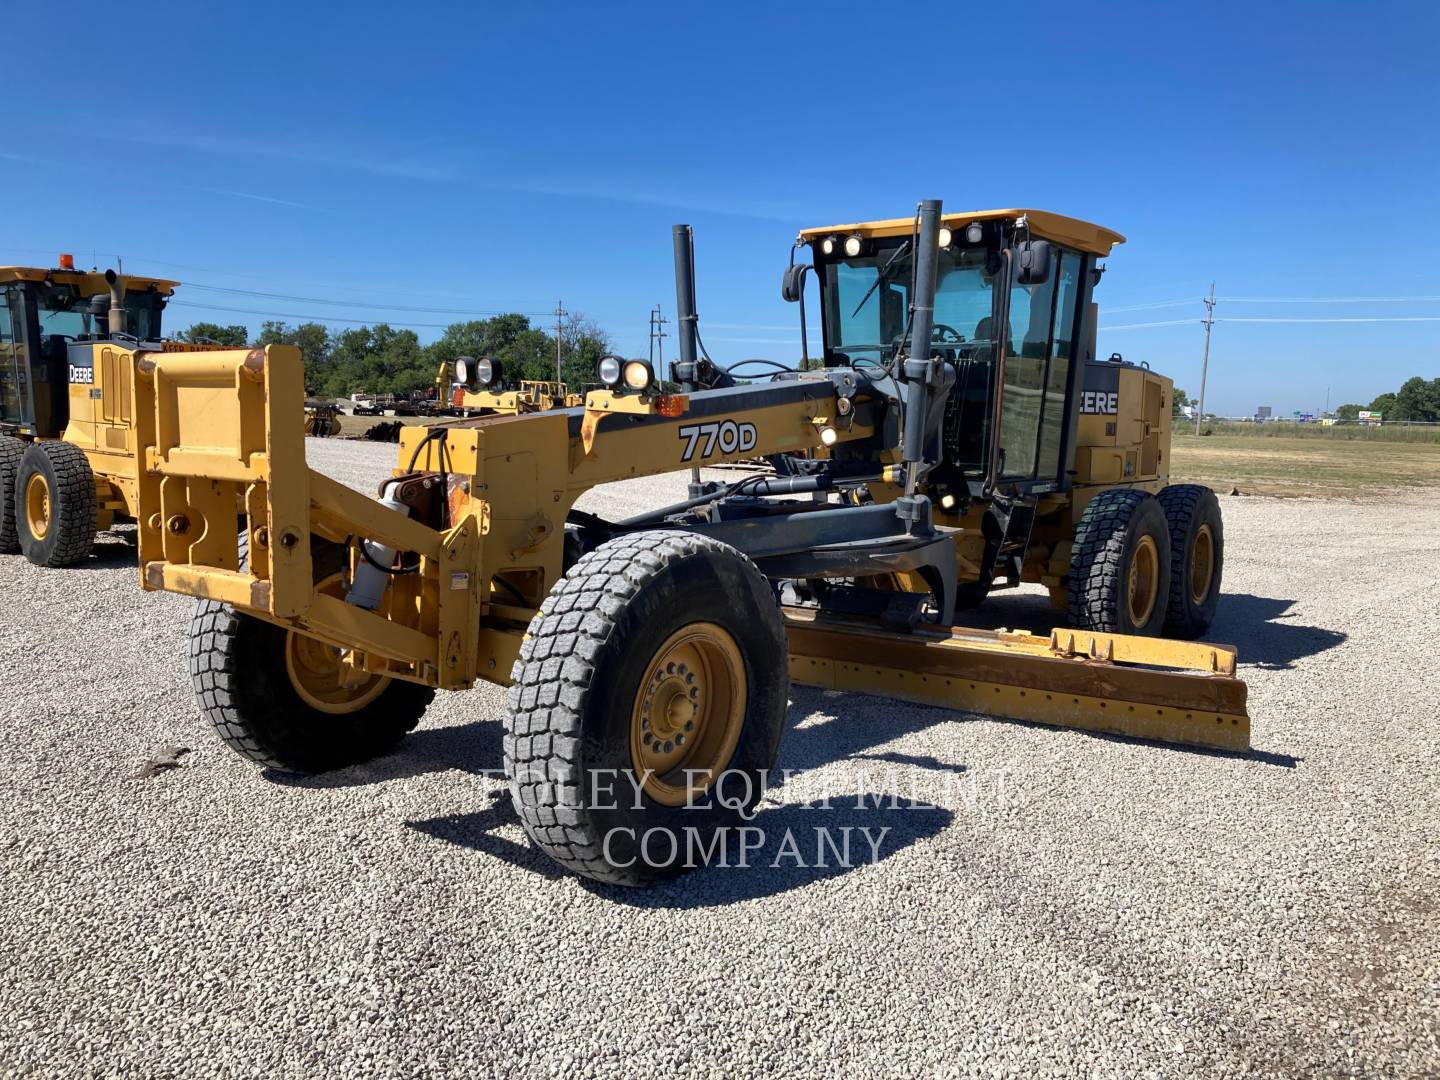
(1143, 583)
(688, 713)
(327, 678)
(1202, 564)
(37, 506)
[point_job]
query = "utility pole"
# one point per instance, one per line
(560, 314)
(1205, 360)
(657, 338)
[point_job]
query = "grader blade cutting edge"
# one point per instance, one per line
(1146, 688)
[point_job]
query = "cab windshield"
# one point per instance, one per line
(63, 311)
(867, 299)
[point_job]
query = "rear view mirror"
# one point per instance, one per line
(792, 285)
(1032, 262)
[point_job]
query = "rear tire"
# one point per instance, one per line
(11, 451)
(55, 504)
(1120, 565)
(247, 681)
(1197, 558)
(659, 652)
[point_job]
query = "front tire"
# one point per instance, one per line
(286, 700)
(651, 687)
(1120, 565)
(55, 504)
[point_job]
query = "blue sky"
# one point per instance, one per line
(460, 158)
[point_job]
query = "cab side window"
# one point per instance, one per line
(1037, 372)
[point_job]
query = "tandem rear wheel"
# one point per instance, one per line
(1120, 565)
(1148, 564)
(646, 706)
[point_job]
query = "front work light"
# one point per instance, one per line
(639, 375)
(828, 245)
(487, 371)
(854, 245)
(464, 370)
(610, 370)
(945, 237)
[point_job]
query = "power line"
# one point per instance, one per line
(1145, 325)
(1336, 319)
(357, 303)
(1157, 304)
(1328, 299)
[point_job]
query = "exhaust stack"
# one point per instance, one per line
(115, 323)
(685, 317)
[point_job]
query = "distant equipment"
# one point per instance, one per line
(1263, 412)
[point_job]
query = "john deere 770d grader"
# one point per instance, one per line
(959, 436)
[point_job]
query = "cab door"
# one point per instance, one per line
(12, 399)
(1040, 345)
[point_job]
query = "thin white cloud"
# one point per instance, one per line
(250, 195)
(405, 166)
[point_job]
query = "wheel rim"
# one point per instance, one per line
(37, 506)
(1144, 581)
(1202, 564)
(323, 675)
(688, 713)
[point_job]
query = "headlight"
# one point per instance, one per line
(945, 237)
(854, 245)
(464, 369)
(610, 370)
(639, 375)
(487, 370)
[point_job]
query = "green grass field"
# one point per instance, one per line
(1304, 465)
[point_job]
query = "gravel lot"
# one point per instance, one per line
(1073, 904)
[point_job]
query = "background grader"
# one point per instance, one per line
(68, 447)
(957, 434)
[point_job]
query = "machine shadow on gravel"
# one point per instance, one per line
(1249, 623)
(111, 552)
(1244, 620)
(833, 727)
(473, 748)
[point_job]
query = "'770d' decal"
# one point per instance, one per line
(730, 437)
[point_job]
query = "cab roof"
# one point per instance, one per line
(85, 282)
(1071, 232)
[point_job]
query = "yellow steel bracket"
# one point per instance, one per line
(601, 403)
(459, 604)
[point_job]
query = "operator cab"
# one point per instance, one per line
(43, 313)
(1027, 271)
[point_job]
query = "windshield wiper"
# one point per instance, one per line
(881, 276)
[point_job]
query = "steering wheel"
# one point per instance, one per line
(940, 330)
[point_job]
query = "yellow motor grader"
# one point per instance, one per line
(68, 339)
(479, 388)
(960, 435)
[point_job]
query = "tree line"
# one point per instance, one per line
(382, 359)
(1417, 400)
